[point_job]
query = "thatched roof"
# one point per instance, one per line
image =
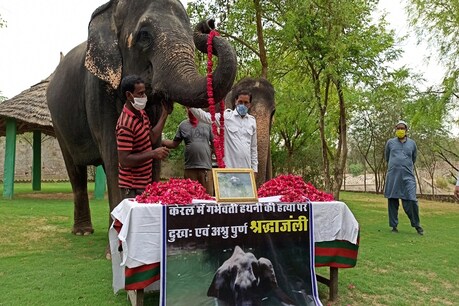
(30, 110)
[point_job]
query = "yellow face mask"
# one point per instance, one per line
(400, 133)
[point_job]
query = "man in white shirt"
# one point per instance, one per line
(240, 132)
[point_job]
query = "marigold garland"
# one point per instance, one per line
(219, 135)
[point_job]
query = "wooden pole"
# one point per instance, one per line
(36, 161)
(10, 156)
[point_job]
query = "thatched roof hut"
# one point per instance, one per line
(30, 110)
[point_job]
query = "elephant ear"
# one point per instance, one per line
(221, 284)
(266, 274)
(268, 281)
(103, 57)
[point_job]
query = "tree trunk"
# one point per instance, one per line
(344, 183)
(377, 183)
(417, 178)
(261, 41)
(341, 152)
(365, 178)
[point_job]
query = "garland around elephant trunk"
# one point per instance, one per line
(219, 135)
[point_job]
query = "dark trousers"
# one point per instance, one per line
(127, 193)
(203, 176)
(411, 209)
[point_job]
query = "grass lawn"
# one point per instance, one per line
(42, 263)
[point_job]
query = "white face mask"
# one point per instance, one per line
(139, 103)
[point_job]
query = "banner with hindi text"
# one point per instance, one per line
(238, 254)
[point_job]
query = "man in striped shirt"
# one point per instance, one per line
(135, 136)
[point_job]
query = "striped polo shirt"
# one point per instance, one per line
(133, 134)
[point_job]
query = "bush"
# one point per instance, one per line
(452, 180)
(356, 169)
(442, 183)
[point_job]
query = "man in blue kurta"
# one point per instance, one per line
(400, 154)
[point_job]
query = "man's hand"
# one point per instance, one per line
(456, 192)
(160, 153)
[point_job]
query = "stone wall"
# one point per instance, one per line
(52, 163)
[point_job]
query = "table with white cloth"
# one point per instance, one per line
(135, 242)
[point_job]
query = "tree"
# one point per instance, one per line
(295, 133)
(241, 21)
(338, 47)
(428, 114)
(436, 21)
(328, 46)
(372, 119)
(447, 151)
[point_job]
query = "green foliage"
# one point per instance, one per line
(236, 22)
(436, 22)
(295, 137)
(451, 180)
(306, 162)
(330, 64)
(2, 98)
(375, 111)
(339, 38)
(428, 112)
(338, 47)
(356, 169)
(170, 129)
(442, 183)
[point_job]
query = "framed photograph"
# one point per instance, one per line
(235, 185)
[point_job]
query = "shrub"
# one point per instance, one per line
(356, 169)
(441, 182)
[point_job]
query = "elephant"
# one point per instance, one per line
(244, 280)
(263, 109)
(149, 38)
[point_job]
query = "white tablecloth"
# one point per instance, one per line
(141, 240)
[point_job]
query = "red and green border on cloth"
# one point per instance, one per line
(139, 277)
(335, 254)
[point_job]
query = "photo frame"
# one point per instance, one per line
(235, 185)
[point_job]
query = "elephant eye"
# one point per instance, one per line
(144, 39)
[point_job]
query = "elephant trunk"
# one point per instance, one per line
(264, 122)
(188, 87)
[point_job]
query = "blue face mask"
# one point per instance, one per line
(242, 109)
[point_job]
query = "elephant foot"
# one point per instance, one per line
(82, 230)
